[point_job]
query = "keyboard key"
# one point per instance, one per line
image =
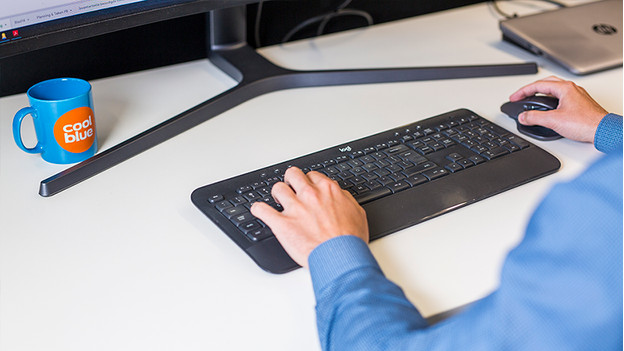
(361, 189)
(371, 184)
(466, 163)
(242, 218)
(243, 189)
(447, 142)
(342, 167)
(385, 180)
(476, 159)
(215, 198)
(381, 146)
(418, 168)
(396, 149)
(454, 167)
(264, 191)
(494, 153)
(398, 186)
(238, 200)
(272, 180)
(250, 226)
(521, 143)
(358, 170)
(222, 205)
(416, 179)
(230, 212)
(256, 185)
(479, 149)
(413, 157)
(342, 158)
(424, 150)
(367, 159)
(397, 177)
(435, 173)
(369, 167)
(394, 168)
(454, 157)
(251, 196)
(357, 180)
(497, 130)
(259, 234)
(370, 176)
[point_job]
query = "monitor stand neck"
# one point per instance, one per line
(228, 50)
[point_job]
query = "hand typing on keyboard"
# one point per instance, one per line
(316, 209)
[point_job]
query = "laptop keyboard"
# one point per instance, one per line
(386, 167)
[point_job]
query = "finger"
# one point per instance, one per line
(296, 178)
(283, 194)
(316, 177)
(265, 213)
(553, 88)
(541, 118)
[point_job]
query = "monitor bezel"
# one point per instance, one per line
(87, 25)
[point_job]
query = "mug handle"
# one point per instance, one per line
(17, 126)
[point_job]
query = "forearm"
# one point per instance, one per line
(358, 308)
(608, 138)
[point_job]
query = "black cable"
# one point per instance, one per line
(323, 19)
(323, 23)
(495, 6)
(257, 24)
(345, 12)
(302, 25)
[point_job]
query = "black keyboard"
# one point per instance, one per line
(401, 177)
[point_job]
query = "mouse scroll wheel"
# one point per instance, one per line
(535, 107)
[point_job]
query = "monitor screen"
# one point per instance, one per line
(18, 16)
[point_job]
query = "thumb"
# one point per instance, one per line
(264, 212)
(541, 118)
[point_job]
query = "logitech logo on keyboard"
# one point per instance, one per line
(345, 149)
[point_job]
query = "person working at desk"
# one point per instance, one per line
(560, 288)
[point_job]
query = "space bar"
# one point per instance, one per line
(372, 195)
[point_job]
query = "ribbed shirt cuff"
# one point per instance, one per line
(608, 136)
(336, 257)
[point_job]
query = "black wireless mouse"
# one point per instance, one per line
(537, 102)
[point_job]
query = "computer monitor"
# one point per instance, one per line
(31, 26)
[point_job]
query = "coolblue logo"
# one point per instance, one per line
(345, 149)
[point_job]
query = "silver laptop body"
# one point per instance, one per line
(584, 39)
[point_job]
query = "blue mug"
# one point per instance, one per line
(62, 113)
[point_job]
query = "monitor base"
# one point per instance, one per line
(256, 76)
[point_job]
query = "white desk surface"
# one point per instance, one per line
(124, 261)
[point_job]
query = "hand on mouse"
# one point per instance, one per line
(577, 116)
(316, 209)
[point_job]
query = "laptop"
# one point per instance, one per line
(584, 39)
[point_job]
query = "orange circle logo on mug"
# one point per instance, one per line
(75, 130)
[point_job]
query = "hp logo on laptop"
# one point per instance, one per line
(605, 29)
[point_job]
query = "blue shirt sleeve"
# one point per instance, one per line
(561, 287)
(608, 136)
